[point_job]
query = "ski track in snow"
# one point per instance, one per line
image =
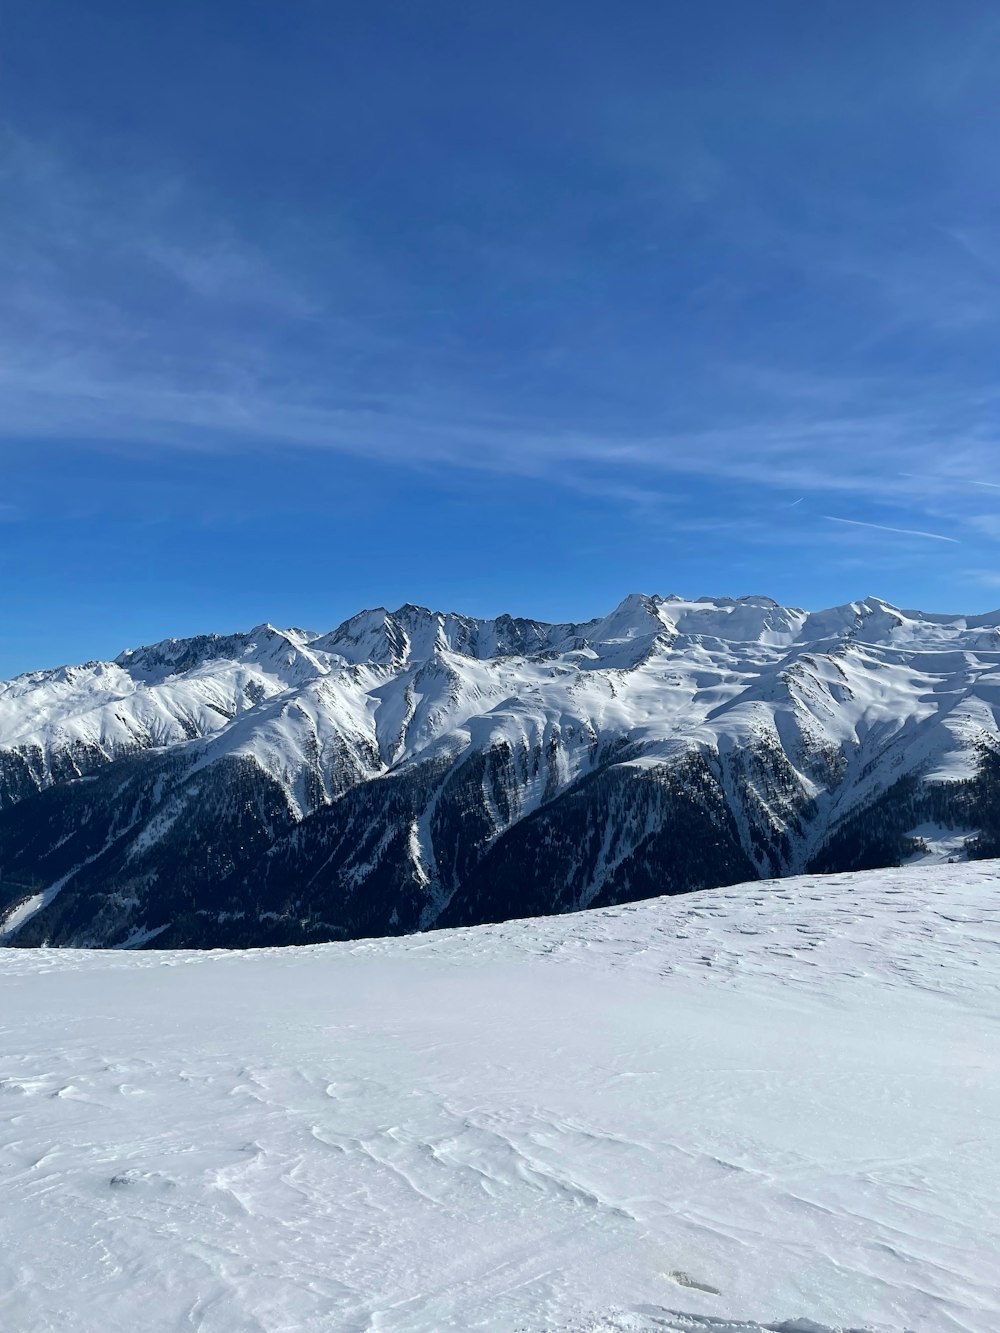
(772, 1106)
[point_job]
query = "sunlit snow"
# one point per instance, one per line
(777, 1102)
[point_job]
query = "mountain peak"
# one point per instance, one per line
(445, 773)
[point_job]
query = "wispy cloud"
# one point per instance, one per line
(883, 527)
(136, 316)
(986, 578)
(988, 525)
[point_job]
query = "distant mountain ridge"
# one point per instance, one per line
(414, 768)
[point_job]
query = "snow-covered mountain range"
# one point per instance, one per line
(416, 769)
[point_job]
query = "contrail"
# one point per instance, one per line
(903, 532)
(944, 480)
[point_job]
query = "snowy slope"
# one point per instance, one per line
(777, 1102)
(406, 769)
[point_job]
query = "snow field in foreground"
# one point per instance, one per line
(777, 1102)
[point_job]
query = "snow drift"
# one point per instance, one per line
(773, 1105)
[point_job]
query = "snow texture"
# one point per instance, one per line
(770, 1106)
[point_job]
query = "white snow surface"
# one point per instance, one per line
(940, 843)
(773, 1105)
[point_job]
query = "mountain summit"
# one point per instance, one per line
(417, 768)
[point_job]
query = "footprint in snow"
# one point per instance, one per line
(686, 1280)
(145, 1179)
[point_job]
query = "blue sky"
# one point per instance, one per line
(494, 306)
